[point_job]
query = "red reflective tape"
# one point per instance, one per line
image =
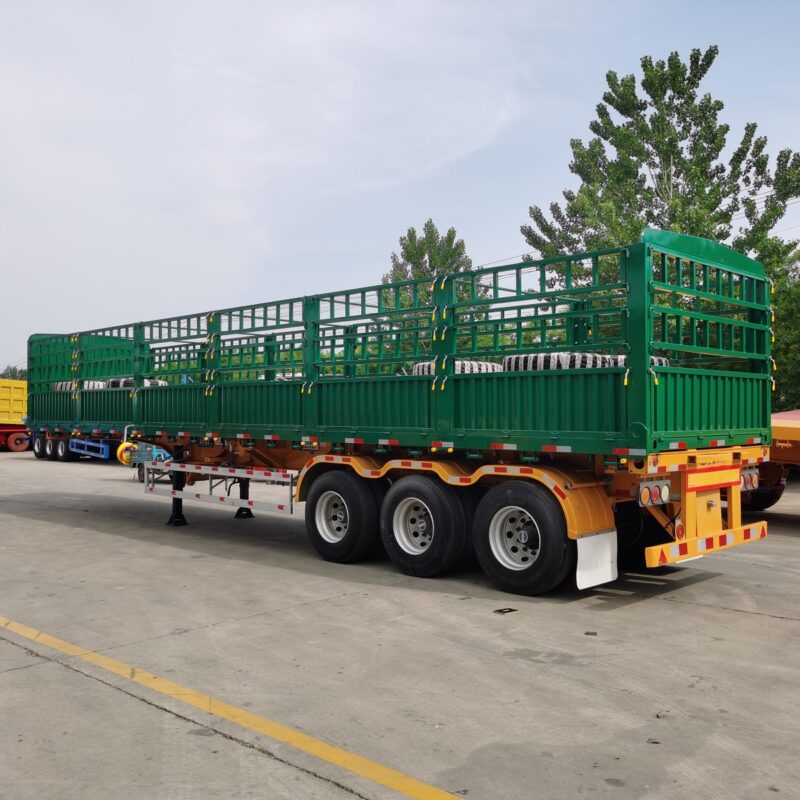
(281, 507)
(436, 444)
(526, 470)
(501, 469)
(197, 495)
(426, 465)
(465, 480)
(405, 463)
(709, 486)
(250, 502)
(559, 491)
(683, 549)
(709, 542)
(549, 448)
(714, 468)
(376, 473)
(347, 459)
(330, 458)
(221, 499)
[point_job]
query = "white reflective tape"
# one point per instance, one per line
(219, 500)
(254, 473)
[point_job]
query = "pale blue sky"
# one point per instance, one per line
(164, 157)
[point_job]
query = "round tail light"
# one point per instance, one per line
(655, 493)
(748, 480)
(680, 531)
(756, 480)
(665, 492)
(644, 495)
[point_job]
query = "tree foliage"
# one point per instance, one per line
(660, 157)
(14, 373)
(427, 255)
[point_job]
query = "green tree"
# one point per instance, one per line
(14, 373)
(427, 255)
(659, 157)
(786, 350)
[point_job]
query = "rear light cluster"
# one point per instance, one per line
(654, 493)
(750, 480)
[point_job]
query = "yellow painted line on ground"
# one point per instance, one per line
(352, 762)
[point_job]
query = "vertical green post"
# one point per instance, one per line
(444, 348)
(77, 376)
(350, 333)
(310, 361)
(213, 361)
(139, 349)
(637, 260)
(269, 357)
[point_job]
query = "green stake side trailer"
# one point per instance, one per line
(546, 413)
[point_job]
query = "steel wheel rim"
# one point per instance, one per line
(332, 517)
(412, 523)
(514, 538)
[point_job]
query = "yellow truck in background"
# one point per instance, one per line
(13, 411)
(784, 454)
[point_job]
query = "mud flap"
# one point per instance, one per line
(597, 559)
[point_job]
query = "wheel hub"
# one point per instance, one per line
(514, 538)
(412, 525)
(332, 517)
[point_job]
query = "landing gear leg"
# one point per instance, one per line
(244, 494)
(178, 482)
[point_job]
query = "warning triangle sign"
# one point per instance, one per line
(763, 532)
(662, 559)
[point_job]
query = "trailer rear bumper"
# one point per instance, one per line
(673, 552)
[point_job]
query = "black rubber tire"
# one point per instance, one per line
(140, 473)
(557, 553)
(38, 446)
(762, 498)
(361, 508)
(379, 488)
(63, 453)
(50, 449)
(469, 497)
(448, 542)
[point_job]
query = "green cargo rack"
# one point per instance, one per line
(677, 330)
